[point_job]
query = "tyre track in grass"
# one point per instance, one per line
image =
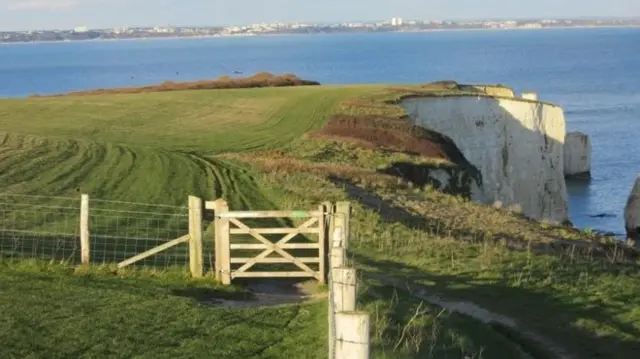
(31, 165)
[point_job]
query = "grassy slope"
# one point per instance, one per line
(588, 302)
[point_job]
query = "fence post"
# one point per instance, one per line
(322, 241)
(344, 289)
(85, 244)
(195, 237)
(338, 253)
(352, 335)
(342, 217)
(223, 243)
(330, 224)
(337, 257)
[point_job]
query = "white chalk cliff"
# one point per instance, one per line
(577, 155)
(516, 144)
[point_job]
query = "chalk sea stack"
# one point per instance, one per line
(577, 156)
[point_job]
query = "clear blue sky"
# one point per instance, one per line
(66, 14)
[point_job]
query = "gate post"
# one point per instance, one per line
(222, 243)
(322, 242)
(195, 237)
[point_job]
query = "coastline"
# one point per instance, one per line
(122, 39)
(316, 33)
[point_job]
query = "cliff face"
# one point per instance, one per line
(577, 155)
(516, 145)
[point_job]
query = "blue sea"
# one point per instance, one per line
(594, 74)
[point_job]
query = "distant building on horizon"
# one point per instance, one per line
(81, 29)
(396, 21)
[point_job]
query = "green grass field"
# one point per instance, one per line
(202, 121)
(257, 149)
(50, 313)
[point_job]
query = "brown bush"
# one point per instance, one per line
(277, 162)
(261, 79)
(444, 84)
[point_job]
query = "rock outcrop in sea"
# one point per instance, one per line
(577, 156)
(632, 214)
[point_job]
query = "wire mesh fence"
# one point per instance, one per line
(48, 228)
(121, 230)
(38, 227)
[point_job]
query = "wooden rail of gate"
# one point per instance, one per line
(230, 222)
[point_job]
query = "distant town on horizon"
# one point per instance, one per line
(395, 24)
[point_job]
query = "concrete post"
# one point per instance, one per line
(338, 256)
(341, 219)
(352, 335)
(344, 289)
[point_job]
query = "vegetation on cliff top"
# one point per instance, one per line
(260, 79)
(308, 145)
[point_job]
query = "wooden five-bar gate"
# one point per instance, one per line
(228, 223)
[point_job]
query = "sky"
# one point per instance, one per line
(67, 14)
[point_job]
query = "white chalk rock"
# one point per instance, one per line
(577, 155)
(632, 214)
(517, 145)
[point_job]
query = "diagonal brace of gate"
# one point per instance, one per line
(274, 247)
